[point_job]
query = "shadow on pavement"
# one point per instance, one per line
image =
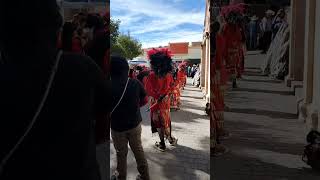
(258, 74)
(262, 81)
(187, 163)
(272, 114)
(239, 167)
(285, 93)
(191, 117)
(193, 97)
(195, 90)
(253, 68)
(255, 136)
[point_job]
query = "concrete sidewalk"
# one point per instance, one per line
(190, 159)
(267, 138)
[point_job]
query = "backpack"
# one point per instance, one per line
(311, 154)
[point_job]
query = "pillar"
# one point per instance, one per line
(309, 50)
(297, 29)
(207, 68)
(203, 65)
(316, 79)
(308, 59)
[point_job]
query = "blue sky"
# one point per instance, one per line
(158, 22)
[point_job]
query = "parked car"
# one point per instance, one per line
(139, 62)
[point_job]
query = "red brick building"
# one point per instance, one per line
(179, 48)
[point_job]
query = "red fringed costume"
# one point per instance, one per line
(156, 87)
(219, 78)
(175, 96)
(232, 36)
(182, 77)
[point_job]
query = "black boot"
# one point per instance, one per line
(234, 84)
(161, 146)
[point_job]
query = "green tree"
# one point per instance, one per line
(117, 49)
(131, 46)
(114, 31)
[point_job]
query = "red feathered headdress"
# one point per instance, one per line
(164, 51)
(238, 8)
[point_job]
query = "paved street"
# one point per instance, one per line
(267, 138)
(190, 159)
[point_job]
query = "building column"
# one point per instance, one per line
(203, 65)
(209, 72)
(316, 79)
(309, 59)
(297, 29)
(205, 72)
(207, 82)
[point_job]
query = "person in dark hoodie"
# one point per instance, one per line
(128, 96)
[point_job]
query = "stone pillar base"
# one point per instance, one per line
(207, 98)
(303, 111)
(310, 116)
(288, 81)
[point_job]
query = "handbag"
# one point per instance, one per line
(36, 115)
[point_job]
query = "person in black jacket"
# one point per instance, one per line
(128, 96)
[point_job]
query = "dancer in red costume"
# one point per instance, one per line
(218, 82)
(232, 36)
(182, 75)
(233, 39)
(159, 85)
(175, 95)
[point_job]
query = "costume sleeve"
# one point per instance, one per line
(149, 87)
(169, 84)
(76, 45)
(142, 94)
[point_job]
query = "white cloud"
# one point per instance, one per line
(127, 19)
(159, 19)
(163, 39)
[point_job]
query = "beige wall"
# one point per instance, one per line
(180, 56)
(194, 52)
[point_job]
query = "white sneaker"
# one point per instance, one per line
(139, 177)
(114, 176)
